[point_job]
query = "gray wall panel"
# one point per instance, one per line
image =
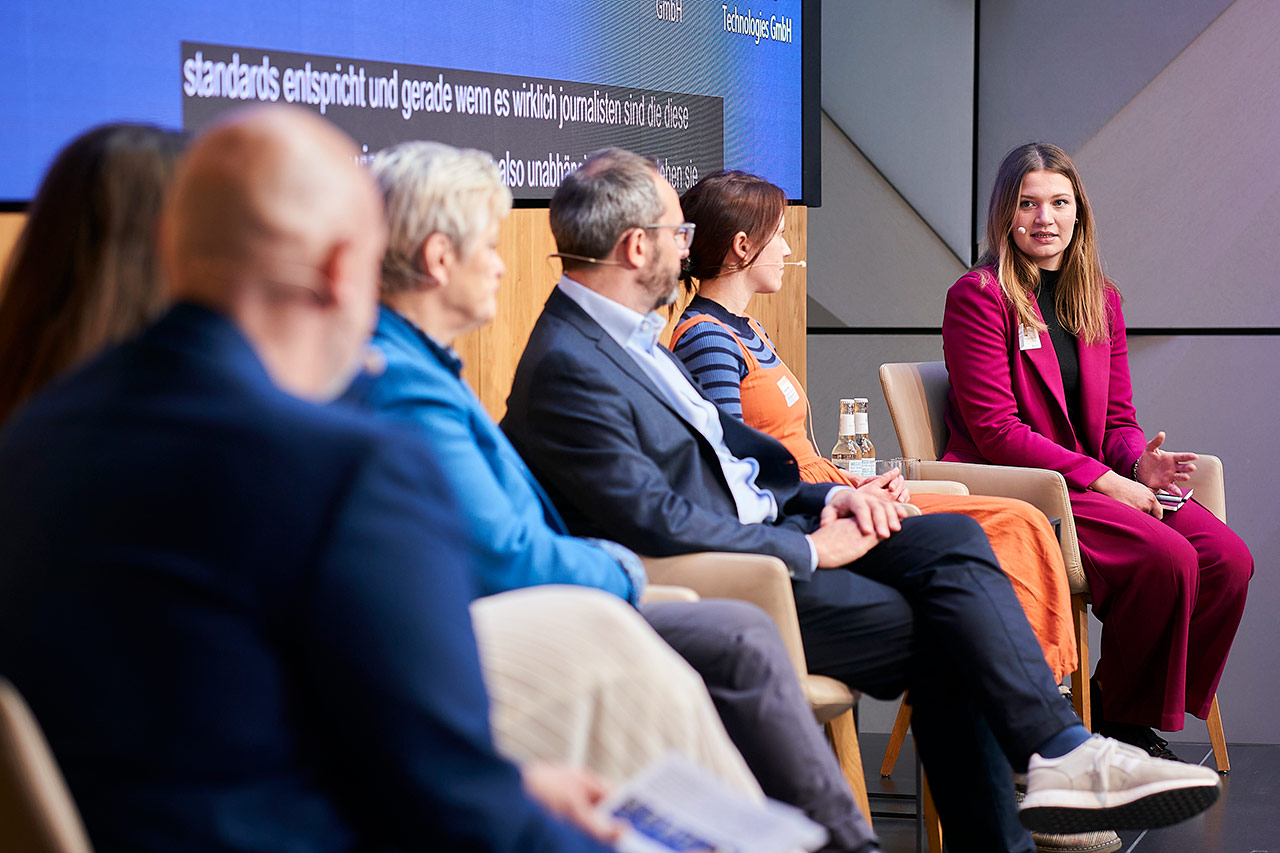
(847, 366)
(1182, 182)
(872, 261)
(898, 79)
(1218, 395)
(1170, 108)
(1059, 72)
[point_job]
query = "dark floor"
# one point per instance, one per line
(1245, 820)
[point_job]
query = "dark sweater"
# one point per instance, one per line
(1065, 344)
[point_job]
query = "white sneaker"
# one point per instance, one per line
(1105, 784)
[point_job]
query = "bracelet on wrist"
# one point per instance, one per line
(1134, 475)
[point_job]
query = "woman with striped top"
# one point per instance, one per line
(738, 251)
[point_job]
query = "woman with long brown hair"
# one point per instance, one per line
(738, 251)
(83, 272)
(1034, 338)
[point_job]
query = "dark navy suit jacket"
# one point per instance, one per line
(582, 411)
(241, 618)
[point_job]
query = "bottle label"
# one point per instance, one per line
(868, 466)
(859, 423)
(848, 423)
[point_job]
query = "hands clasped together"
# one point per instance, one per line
(856, 520)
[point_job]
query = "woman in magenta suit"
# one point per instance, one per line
(1034, 339)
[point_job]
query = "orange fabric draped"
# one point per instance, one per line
(1021, 537)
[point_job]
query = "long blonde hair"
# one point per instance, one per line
(1080, 300)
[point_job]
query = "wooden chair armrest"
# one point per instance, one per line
(757, 578)
(1044, 489)
(765, 582)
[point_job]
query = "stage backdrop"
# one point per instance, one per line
(492, 352)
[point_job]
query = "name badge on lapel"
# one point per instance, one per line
(1028, 338)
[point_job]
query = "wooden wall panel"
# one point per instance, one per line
(10, 226)
(491, 353)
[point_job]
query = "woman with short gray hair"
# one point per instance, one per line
(576, 675)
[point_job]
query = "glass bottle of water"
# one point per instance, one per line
(845, 455)
(862, 439)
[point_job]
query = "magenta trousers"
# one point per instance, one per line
(1170, 595)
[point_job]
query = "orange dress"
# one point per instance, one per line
(1021, 537)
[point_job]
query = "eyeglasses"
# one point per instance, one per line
(683, 233)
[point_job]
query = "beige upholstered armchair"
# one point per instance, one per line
(916, 394)
(37, 814)
(764, 581)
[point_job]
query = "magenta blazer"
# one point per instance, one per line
(1006, 405)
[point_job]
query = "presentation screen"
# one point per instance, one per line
(698, 86)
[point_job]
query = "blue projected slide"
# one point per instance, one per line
(697, 85)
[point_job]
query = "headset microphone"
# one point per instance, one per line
(1021, 230)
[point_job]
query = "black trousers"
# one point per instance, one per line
(736, 649)
(930, 610)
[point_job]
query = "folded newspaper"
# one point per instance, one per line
(673, 804)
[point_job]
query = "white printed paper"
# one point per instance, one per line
(675, 805)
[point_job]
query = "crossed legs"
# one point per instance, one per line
(558, 693)
(930, 609)
(736, 649)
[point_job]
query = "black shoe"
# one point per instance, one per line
(1140, 736)
(1134, 735)
(1157, 746)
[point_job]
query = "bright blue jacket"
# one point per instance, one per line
(515, 533)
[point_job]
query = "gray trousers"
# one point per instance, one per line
(736, 649)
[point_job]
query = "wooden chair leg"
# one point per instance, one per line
(1217, 738)
(843, 736)
(1080, 678)
(896, 738)
(932, 826)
